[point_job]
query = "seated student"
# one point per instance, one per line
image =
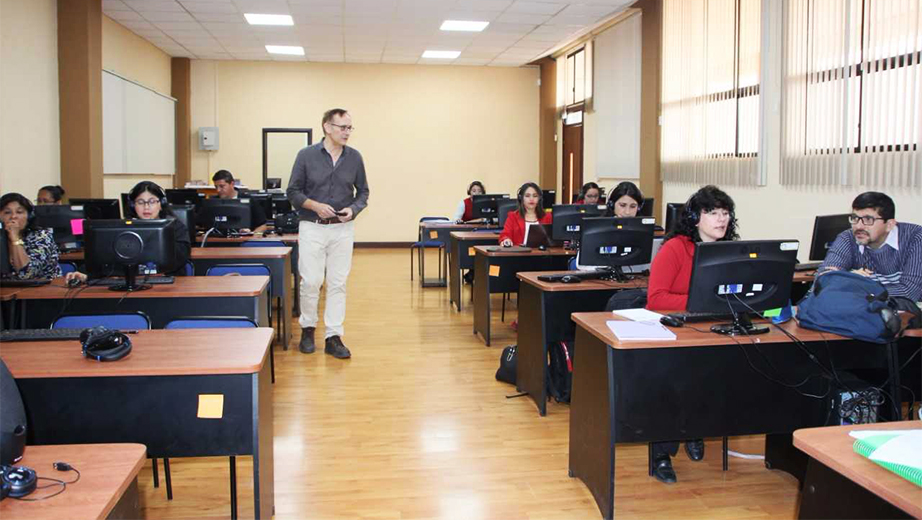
(625, 200)
(530, 210)
(590, 193)
(708, 217)
(465, 210)
(879, 247)
(224, 183)
(32, 251)
(148, 201)
(50, 195)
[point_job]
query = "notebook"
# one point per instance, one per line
(640, 331)
(895, 450)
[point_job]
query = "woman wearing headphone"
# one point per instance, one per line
(625, 200)
(465, 209)
(32, 251)
(708, 217)
(148, 201)
(50, 195)
(530, 211)
(590, 193)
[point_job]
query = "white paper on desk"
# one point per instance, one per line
(640, 330)
(905, 449)
(638, 314)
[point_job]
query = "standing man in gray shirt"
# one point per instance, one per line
(329, 188)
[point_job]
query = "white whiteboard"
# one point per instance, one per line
(616, 99)
(138, 128)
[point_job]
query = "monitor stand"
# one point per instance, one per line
(614, 273)
(130, 285)
(741, 326)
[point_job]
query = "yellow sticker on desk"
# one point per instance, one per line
(753, 255)
(433, 234)
(470, 251)
(494, 270)
(210, 406)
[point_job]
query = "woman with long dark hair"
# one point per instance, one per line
(32, 251)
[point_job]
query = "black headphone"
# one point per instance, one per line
(617, 193)
(17, 481)
(520, 196)
(150, 187)
(103, 344)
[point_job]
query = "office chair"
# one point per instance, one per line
(217, 322)
(67, 267)
(119, 320)
(422, 243)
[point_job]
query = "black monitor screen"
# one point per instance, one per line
(185, 213)
(742, 276)
(264, 200)
(673, 214)
(224, 214)
(484, 206)
(280, 206)
(569, 217)
(616, 242)
(825, 230)
(60, 219)
(503, 207)
(549, 198)
(120, 246)
(647, 209)
(98, 208)
(185, 196)
(126, 206)
(5, 267)
(273, 183)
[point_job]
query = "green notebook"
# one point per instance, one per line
(868, 445)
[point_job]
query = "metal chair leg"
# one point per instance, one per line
(169, 481)
(503, 317)
(233, 486)
(156, 473)
(650, 458)
(411, 264)
(726, 446)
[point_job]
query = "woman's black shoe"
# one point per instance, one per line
(662, 470)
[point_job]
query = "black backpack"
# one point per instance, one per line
(507, 364)
(627, 299)
(560, 371)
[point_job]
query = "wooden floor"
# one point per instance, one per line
(415, 426)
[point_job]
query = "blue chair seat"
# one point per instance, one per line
(115, 320)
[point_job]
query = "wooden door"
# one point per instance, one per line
(572, 162)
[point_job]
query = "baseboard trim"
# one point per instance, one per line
(382, 245)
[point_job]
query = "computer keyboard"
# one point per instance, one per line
(582, 275)
(40, 335)
(152, 280)
(34, 282)
(807, 266)
(511, 249)
(697, 317)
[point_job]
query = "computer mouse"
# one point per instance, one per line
(571, 279)
(671, 321)
(74, 282)
(542, 247)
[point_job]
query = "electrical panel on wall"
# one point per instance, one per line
(208, 138)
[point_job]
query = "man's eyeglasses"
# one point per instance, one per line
(867, 220)
(344, 128)
(147, 203)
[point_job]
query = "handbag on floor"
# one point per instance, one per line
(507, 364)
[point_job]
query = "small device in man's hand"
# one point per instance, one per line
(342, 213)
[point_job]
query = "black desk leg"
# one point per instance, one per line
(233, 486)
(893, 367)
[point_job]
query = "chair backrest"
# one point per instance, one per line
(241, 269)
(128, 320)
(67, 267)
(211, 322)
(434, 219)
(189, 268)
(263, 243)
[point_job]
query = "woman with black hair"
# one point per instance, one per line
(32, 251)
(465, 209)
(50, 195)
(148, 201)
(625, 200)
(529, 211)
(590, 193)
(708, 217)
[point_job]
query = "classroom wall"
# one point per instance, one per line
(30, 151)
(424, 131)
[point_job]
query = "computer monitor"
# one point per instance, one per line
(484, 206)
(568, 218)
(60, 219)
(273, 183)
(185, 213)
(98, 208)
(185, 196)
(113, 245)
(616, 242)
(280, 206)
(6, 268)
(126, 206)
(549, 198)
(673, 214)
(263, 199)
(647, 209)
(503, 207)
(225, 216)
(825, 230)
(739, 277)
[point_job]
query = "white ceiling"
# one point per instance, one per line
(361, 31)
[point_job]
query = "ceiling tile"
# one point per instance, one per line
(325, 57)
(572, 20)
(532, 19)
(472, 62)
(154, 5)
(509, 28)
(179, 26)
(125, 16)
(263, 6)
(208, 7)
(114, 5)
(140, 26)
(597, 11)
(318, 11)
(150, 33)
(522, 6)
(214, 56)
(219, 17)
(226, 28)
(188, 35)
(166, 16)
(471, 15)
(484, 5)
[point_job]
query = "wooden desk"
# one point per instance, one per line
(700, 385)
(152, 396)
(544, 318)
(842, 484)
(495, 272)
(439, 231)
(108, 485)
(461, 256)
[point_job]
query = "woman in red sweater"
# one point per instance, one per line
(708, 217)
(465, 209)
(530, 211)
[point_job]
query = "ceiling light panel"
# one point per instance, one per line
(441, 55)
(268, 19)
(464, 25)
(289, 50)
